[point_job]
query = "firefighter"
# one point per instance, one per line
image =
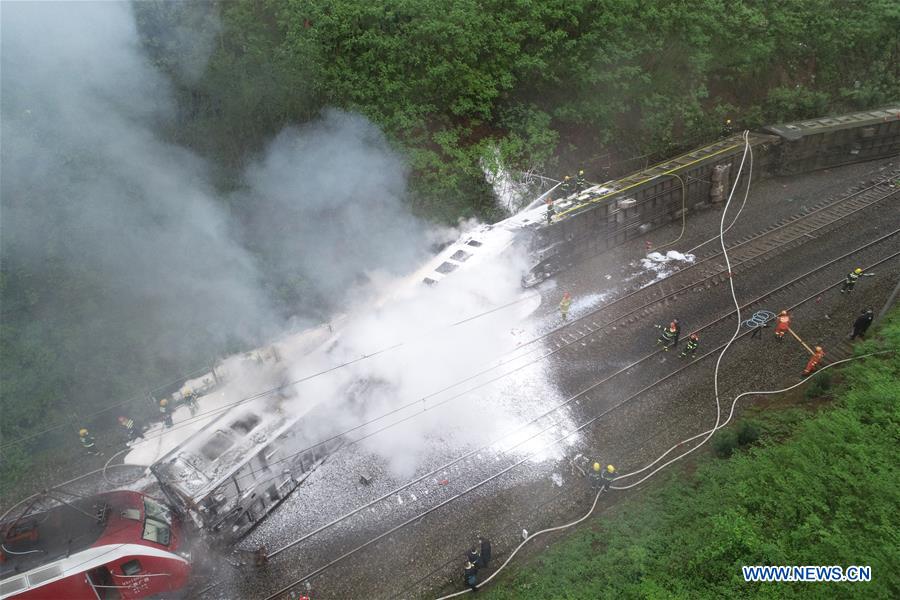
(470, 573)
(550, 210)
(861, 325)
(473, 557)
(691, 346)
(88, 442)
(727, 128)
(166, 412)
(133, 431)
(608, 475)
(190, 398)
(814, 361)
(669, 335)
(852, 278)
(782, 324)
(580, 182)
(564, 305)
(566, 187)
(596, 476)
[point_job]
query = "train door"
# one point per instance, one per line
(102, 581)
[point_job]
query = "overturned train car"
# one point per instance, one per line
(232, 473)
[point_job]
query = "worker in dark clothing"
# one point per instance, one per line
(596, 477)
(669, 335)
(861, 325)
(757, 331)
(134, 432)
(190, 398)
(608, 476)
(550, 210)
(470, 572)
(727, 128)
(88, 442)
(566, 187)
(473, 557)
(485, 551)
(580, 182)
(166, 411)
(851, 279)
(691, 347)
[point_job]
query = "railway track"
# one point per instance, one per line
(592, 396)
(711, 271)
(672, 429)
(778, 236)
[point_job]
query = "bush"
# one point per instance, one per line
(747, 433)
(724, 442)
(819, 386)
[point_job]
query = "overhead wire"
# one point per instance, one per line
(715, 379)
(584, 425)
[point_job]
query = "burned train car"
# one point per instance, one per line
(233, 472)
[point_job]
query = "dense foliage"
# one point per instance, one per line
(594, 83)
(458, 88)
(825, 495)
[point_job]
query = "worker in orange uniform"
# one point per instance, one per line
(782, 324)
(564, 305)
(814, 361)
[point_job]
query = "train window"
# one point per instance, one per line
(246, 425)
(218, 443)
(461, 256)
(429, 281)
(157, 511)
(156, 531)
(446, 267)
(474, 243)
(132, 567)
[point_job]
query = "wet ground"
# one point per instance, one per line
(530, 478)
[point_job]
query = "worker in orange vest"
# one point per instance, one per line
(814, 361)
(782, 324)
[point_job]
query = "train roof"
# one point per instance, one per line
(197, 465)
(799, 129)
(66, 528)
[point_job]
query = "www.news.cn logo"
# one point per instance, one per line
(807, 573)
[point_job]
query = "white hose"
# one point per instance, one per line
(737, 332)
(733, 221)
(519, 547)
(731, 414)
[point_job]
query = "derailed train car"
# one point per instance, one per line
(233, 472)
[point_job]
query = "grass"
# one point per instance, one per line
(798, 488)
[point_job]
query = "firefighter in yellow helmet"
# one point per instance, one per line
(190, 398)
(596, 479)
(727, 128)
(166, 412)
(566, 187)
(580, 182)
(608, 475)
(851, 279)
(88, 442)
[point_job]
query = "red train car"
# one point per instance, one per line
(116, 545)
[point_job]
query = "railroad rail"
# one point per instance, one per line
(600, 415)
(746, 253)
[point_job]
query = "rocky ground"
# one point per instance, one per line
(424, 558)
